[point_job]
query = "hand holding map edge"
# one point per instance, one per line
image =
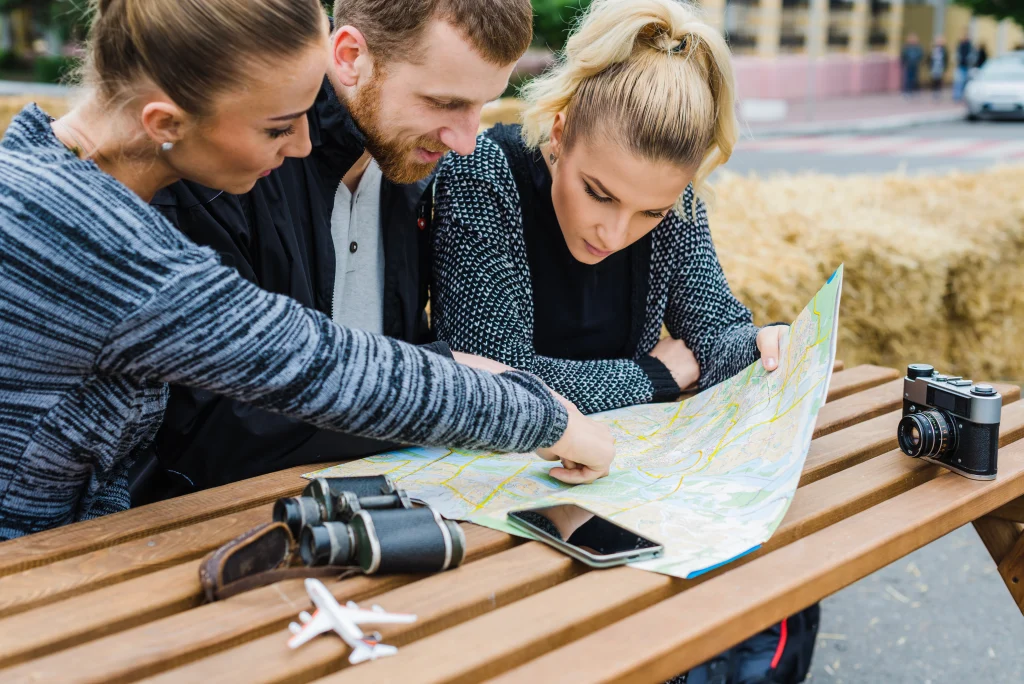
(768, 343)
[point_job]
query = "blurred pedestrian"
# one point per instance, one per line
(911, 59)
(964, 53)
(938, 62)
(980, 57)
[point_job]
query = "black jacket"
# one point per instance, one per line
(279, 236)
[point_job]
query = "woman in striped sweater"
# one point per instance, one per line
(562, 247)
(102, 302)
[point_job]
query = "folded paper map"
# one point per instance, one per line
(710, 477)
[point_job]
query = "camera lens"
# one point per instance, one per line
(327, 544)
(928, 433)
(297, 512)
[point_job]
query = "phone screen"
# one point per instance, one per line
(587, 531)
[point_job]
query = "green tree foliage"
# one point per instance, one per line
(1000, 9)
(70, 17)
(551, 23)
(553, 19)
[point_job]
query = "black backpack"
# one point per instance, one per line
(780, 654)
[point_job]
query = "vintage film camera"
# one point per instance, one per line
(950, 421)
(367, 522)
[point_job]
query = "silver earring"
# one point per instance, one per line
(552, 157)
(167, 146)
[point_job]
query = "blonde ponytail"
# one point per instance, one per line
(650, 75)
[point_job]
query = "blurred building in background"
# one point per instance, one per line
(841, 47)
(784, 49)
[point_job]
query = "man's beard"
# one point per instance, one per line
(394, 157)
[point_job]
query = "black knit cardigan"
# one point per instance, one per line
(483, 301)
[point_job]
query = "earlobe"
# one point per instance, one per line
(348, 52)
(163, 122)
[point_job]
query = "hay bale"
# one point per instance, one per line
(932, 262)
(11, 105)
(506, 111)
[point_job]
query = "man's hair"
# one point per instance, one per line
(500, 30)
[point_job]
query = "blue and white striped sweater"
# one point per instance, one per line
(103, 302)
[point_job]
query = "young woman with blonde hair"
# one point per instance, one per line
(563, 246)
(103, 302)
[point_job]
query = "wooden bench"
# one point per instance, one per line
(118, 599)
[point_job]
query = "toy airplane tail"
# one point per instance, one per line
(364, 652)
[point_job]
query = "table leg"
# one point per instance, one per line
(1005, 542)
(1013, 511)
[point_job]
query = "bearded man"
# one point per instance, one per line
(345, 230)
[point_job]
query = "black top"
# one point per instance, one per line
(483, 300)
(581, 311)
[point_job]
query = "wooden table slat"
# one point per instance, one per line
(490, 644)
(1013, 511)
(184, 637)
(96, 569)
(80, 538)
(859, 407)
(98, 613)
(554, 618)
(857, 379)
(653, 644)
(439, 601)
(843, 449)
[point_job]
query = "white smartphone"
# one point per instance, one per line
(585, 536)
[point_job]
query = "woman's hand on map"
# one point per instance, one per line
(679, 360)
(586, 450)
(768, 343)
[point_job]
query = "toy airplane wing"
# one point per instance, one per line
(311, 626)
(368, 650)
(377, 615)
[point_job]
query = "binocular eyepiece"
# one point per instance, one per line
(368, 522)
(337, 499)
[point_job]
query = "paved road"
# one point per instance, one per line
(941, 615)
(933, 148)
(28, 88)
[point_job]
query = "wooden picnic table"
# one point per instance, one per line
(118, 599)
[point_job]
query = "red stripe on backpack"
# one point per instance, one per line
(781, 647)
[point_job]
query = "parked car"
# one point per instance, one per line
(997, 89)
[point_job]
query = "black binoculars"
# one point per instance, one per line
(368, 522)
(338, 499)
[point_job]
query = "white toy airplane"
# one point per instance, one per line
(329, 615)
